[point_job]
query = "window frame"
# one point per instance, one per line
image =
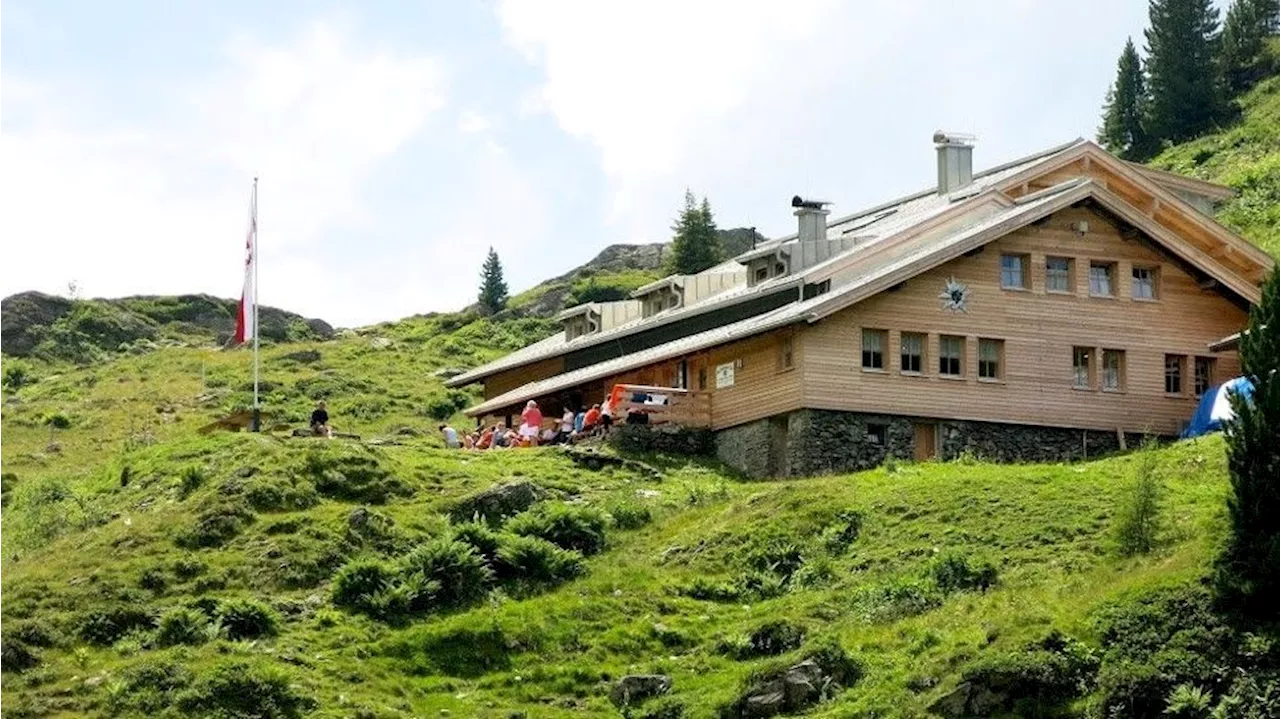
(945, 357)
(1110, 268)
(1118, 355)
(882, 339)
(1211, 364)
(998, 360)
(878, 434)
(786, 353)
(1088, 353)
(1154, 282)
(1070, 275)
(1023, 269)
(923, 339)
(1175, 372)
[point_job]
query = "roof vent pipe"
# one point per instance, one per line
(955, 160)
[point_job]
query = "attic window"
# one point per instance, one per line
(762, 274)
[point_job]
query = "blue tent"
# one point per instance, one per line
(1215, 407)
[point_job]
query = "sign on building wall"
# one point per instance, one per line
(724, 375)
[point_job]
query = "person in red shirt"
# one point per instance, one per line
(531, 423)
(592, 419)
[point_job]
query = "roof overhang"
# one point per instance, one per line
(673, 281)
(577, 310)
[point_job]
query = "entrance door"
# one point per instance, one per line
(926, 441)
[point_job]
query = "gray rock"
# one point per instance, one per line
(635, 688)
(498, 501)
(804, 683)
(769, 700)
(954, 703)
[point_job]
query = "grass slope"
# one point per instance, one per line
(134, 511)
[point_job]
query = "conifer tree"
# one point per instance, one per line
(1182, 78)
(1122, 129)
(1250, 565)
(696, 246)
(493, 288)
(1243, 43)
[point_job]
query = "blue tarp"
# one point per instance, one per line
(1215, 407)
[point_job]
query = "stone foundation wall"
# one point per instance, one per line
(807, 442)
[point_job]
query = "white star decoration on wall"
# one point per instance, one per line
(954, 295)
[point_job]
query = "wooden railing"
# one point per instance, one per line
(663, 405)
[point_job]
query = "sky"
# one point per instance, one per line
(395, 142)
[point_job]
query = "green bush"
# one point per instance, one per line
(710, 590)
(955, 573)
(479, 535)
(457, 651)
(1139, 519)
(106, 625)
(442, 406)
(357, 583)
(768, 640)
(240, 690)
(150, 686)
(280, 494)
(154, 579)
(1041, 678)
(181, 626)
(17, 374)
(773, 554)
(1187, 701)
(352, 477)
(842, 531)
(818, 571)
(16, 655)
(247, 619)
(630, 515)
(462, 574)
(191, 479)
(217, 523)
(35, 632)
(536, 561)
(896, 600)
(578, 528)
(188, 568)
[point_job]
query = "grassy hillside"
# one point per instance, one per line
(149, 570)
(1246, 157)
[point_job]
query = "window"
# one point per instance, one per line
(1081, 358)
(877, 433)
(950, 356)
(990, 356)
(702, 377)
(1112, 370)
(1100, 276)
(762, 273)
(786, 354)
(912, 352)
(1057, 275)
(1013, 272)
(873, 342)
(1204, 375)
(1145, 283)
(779, 269)
(1173, 374)
(680, 378)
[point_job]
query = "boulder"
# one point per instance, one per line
(794, 689)
(499, 501)
(636, 688)
(968, 700)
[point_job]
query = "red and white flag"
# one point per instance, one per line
(246, 317)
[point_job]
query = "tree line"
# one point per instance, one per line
(695, 246)
(1194, 67)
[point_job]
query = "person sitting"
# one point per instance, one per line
(566, 425)
(592, 420)
(485, 441)
(450, 436)
(550, 435)
(531, 423)
(320, 421)
(469, 440)
(579, 420)
(499, 436)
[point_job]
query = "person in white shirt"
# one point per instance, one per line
(450, 436)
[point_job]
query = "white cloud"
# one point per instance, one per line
(158, 204)
(471, 122)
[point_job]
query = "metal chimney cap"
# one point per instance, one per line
(941, 137)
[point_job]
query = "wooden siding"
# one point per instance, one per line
(504, 382)
(1039, 330)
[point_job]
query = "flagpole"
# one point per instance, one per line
(257, 421)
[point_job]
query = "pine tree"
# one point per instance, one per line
(1243, 43)
(1250, 565)
(1182, 77)
(493, 288)
(1122, 131)
(696, 246)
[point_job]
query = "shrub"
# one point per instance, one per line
(630, 515)
(459, 651)
(460, 571)
(442, 406)
(357, 583)
(246, 619)
(842, 532)
(279, 494)
(537, 561)
(480, 536)
(191, 479)
(767, 640)
(17, 374)
(1139, 517)
(896, 600)
(710, 590)
(352, 477)
(577, 528)
(1188, 701)
(35, 632)
(238, 690)
(187, 568)
(1043, 676)
(954, 573)
(154, 580)
(16, 655)
(815, 572)
(106, 625)
(774, 554)
(181, 626)
(150, 686)
(217, 523)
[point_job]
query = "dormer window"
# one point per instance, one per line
(761, 274)
(665, 294)
(580, 320)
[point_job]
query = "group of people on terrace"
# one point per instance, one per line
(535, 429)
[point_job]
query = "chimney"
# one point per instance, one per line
(812, 235)
(955, 160)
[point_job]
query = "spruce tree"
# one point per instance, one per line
(1250, 565)
(1243, 44)
(493, 288)
(1182, 77)
(696, 246)
(1122, 131)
